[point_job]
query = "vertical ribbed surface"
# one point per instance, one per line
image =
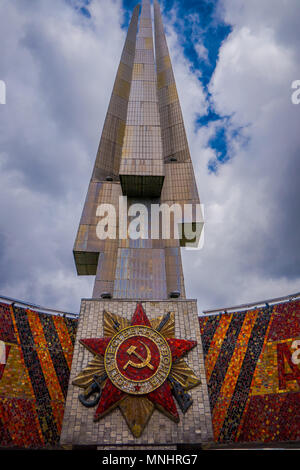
(180, 181)
(140, 271)
(94, 256)
(110, 147)
(141, 169)
(175, 143)
(179, 184)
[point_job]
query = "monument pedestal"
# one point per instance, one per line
(112, 431)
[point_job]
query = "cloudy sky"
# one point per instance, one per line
(234, 63)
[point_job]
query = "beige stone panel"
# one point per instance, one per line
(179, 183)
(149, 43)
(122, 88)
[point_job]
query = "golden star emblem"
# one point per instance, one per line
(137, 366)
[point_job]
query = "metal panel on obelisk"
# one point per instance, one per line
(137, 377)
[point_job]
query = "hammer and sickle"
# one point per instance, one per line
(145, 361)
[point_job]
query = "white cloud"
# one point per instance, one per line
(59, 69)
(191, 95)
(252, 253)
(253, 71)
(201, 51)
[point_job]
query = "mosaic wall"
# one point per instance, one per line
(36, 352)
(252, 362)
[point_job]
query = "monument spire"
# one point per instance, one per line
(143, 154)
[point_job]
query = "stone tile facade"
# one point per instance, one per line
(194, 427)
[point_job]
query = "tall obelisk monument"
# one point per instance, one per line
(137, 375)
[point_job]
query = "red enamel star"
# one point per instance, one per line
(139, 359)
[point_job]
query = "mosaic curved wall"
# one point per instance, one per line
(36, 352)
(252, 362)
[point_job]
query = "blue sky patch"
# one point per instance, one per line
(200, 32)
(219, 144)
(198, 27)
(81, 6)
(85, 12)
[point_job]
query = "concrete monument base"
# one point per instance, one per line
(111, 432)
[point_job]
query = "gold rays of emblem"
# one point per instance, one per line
(136, 410)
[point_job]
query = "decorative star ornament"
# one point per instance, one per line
(138, 367)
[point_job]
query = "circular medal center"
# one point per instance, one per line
(138, 358)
